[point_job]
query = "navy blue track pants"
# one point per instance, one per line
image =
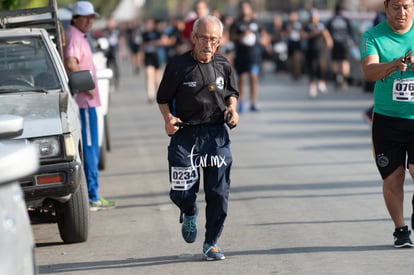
(208, 147)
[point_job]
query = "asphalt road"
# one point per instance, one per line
(305, 198)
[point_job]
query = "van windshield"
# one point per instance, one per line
(24, 62)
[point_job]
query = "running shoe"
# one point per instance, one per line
(402, 237)
(241, 107)
(212, 252)
(254, 108)
(101, 204)
(322, 87)
(313, 91)
(189, 226)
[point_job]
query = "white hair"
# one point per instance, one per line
(208, 19)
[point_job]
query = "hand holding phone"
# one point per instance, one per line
(228, 118)
(406, 59)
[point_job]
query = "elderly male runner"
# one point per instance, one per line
(197, 97)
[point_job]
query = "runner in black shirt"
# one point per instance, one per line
(151, 39)
(197, 92)
(196, 95)
(318, 42)
(341, 31)
(246, 33)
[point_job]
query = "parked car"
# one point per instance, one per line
(34, 84)
(17, 253)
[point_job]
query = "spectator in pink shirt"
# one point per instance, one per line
(78, 56)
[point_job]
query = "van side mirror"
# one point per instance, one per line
(17, 160)
(81, 81)
(10, 126)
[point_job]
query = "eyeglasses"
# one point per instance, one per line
(206, 39)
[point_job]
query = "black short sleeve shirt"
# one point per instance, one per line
(197, 92)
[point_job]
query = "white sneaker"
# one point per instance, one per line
(313, 92)
(322, 87)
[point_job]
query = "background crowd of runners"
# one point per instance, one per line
(317, 45)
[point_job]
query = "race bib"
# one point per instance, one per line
(183, 178)
(403, 90)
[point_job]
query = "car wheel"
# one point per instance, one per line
(74, 222)
(102, 155)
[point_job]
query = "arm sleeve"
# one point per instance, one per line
(367, 45)
(72, 48)
(168, 85)
(232, 89)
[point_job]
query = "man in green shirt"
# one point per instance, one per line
(386, 58)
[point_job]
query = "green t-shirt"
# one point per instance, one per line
(381, 40)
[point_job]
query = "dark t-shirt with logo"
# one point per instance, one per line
(197, 92)
(340, 29)
(248, 47)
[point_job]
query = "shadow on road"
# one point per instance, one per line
(167, 260)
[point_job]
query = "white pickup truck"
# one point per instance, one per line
(34, 85)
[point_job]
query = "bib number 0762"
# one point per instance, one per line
(404, 86)
(403, 90)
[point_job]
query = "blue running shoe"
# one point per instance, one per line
(189, 226)
(254, 108)
(212, 252)
(241, 108)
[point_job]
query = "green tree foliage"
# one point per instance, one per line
(103, 7)
(9, 4)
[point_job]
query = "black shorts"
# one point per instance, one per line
(247, 60)
(294, 46)
(134, 48)
(339, 52)
(393, 143)
(152, 59)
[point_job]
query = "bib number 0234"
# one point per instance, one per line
(183, 178)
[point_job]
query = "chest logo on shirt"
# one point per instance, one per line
(190, 84)
(220, 82)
